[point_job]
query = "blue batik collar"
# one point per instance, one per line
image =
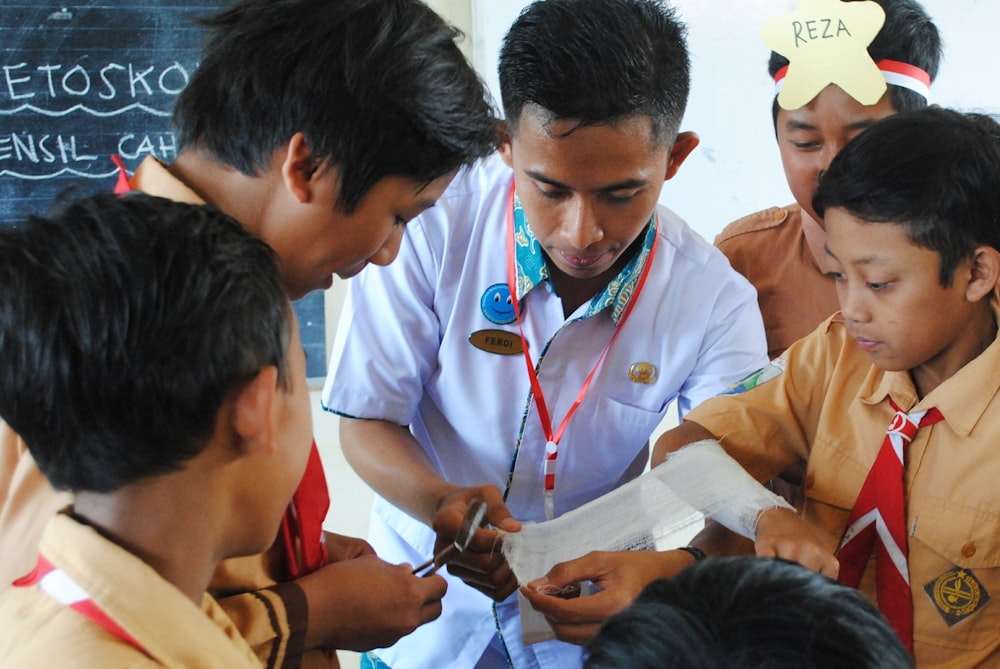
(533, 271)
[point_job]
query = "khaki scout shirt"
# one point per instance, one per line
(171, 630)
(270, 612)
(830, 407)
(769, 248)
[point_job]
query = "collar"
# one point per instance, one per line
(962, 399)
(532, 270)
(154, 178)
(121, 585)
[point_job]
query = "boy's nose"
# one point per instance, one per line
(852, 305)
(390, 248)
(581, 226)
(830, 150)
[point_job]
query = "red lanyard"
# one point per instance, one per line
(552, 437)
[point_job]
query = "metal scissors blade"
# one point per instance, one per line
(474, 516)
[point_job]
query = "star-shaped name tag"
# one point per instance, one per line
(826, 42)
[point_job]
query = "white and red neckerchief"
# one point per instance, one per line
(878, 521)
(553, 437)
(896, 73)
(61, 587)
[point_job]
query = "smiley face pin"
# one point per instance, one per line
(497, 304)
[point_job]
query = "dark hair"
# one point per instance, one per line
(378, 88)
(747, 613)
(597, 61)
(934, 171)
(124, 324)
(908, 36)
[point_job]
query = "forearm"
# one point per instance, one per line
(675, 439)
(716, 539)
(393, 464)
(365, 602)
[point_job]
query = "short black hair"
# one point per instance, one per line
(934, 171)
(907, 36)
(378, 88)
(597, 62)
(747, 613)
(124, 324)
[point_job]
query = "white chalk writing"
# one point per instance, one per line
(109, 82)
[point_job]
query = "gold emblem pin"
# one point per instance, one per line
(643, 372)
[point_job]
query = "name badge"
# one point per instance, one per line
(500, 342)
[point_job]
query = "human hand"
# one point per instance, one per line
(781, 533)
(365, 602)
(342, 547)
(481, 565)
(620, 576)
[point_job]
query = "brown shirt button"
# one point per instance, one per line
(969, 549)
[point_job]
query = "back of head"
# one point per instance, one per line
(597, 61)
(934, 171)
(377, 87)
(124, 324)
(907, 36)
(747, 613)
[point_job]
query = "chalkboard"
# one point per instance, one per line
(82, 82)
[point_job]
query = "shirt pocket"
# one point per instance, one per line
(955, 575)
(606, 449)
(831, 485)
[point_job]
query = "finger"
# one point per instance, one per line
(496, 576)
(497, 513)
(485, 541)
(575, 634)
(591, 609)
(430, 611)
(434, 586)
(590, 567)
(831, 567)
(481, 562)
(768, 550)
(497, 584)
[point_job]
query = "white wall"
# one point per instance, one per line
(736, 169)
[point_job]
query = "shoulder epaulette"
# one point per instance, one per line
(761, 220)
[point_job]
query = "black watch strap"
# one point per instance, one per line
(695, 551)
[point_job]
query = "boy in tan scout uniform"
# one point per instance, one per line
(780, 249)
(911, 209)
(322, 126)
(151, 361)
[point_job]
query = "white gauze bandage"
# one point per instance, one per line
(696, 481)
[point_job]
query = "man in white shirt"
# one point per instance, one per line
(539, 321)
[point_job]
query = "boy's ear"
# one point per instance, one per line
(298, 168)
(985, 273)
(506, 147)
(685, 143)
(252, 418)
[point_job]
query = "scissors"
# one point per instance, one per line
(474, 516)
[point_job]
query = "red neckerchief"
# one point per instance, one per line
(878, 520)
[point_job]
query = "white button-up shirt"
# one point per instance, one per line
(403, 354)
